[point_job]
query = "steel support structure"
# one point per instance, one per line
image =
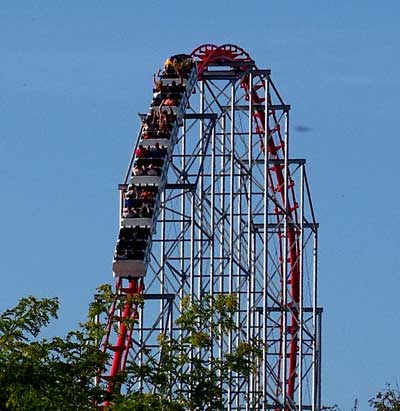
(237, 217)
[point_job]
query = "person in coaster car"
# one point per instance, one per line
(141, 151)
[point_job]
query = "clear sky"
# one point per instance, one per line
(74, 74)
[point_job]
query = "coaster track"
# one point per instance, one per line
(277, 290)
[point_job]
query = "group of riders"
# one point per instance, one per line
(149, 160)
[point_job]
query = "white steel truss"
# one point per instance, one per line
(234, 217)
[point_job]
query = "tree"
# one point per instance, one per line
(186, 375)
(386, 400)
(58, 373)
(41, 374)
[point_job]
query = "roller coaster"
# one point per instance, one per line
(212, 203)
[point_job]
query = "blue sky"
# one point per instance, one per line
(74, 74)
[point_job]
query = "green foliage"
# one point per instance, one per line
(188, 373)
(386, 400)
(40, 374)
(26, 319)
(144, 402)
(58, 373)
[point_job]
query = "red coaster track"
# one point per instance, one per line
(228, 53)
